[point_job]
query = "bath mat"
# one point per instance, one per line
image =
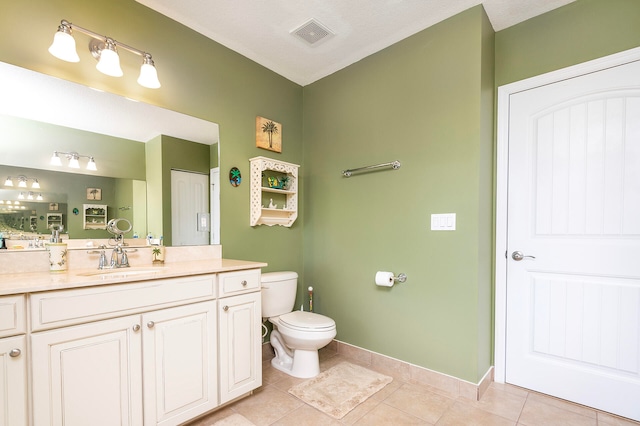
(340, 389)
(234, 420)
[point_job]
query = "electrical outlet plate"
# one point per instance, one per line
(443, 222)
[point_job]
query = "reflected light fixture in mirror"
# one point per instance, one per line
(74, 160)
(105, 50)
(22, 182)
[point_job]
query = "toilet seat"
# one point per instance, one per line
(307, 321)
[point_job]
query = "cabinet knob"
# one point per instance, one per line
(244, 283)
(150, 324)
(225, 308)
(15, 353)
(136, 327)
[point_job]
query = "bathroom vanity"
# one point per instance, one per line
(142, 345)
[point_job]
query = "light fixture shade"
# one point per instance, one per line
(91, 165)
(35, 184)
(55, 159)
(64, 46)
(109, 62)
(30, 196)
(8, 182)
(39, 197)
(22, 182)
(74, 163)
(148, 74)
(20, 196)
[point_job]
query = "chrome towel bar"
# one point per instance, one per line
(394, 164)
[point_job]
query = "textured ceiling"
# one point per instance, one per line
(261, 30)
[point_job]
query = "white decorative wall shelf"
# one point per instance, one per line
(273, 205)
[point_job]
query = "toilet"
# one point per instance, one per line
(297, 335)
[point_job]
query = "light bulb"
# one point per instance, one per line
(55, 160)
(148, 74)
(74, 163)
(109, 62)
(91, 165)
(64, 45)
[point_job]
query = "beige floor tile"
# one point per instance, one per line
(538, 413)
(267, 406)
(306, 416)
(502, 403)
(462, 413)
(384, 415)
(213, 417)
(606, 419)
(415, 400)
(359, 411)
(561, 403)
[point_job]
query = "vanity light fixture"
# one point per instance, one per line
(73, 158)
(22, 182)
(105, 50)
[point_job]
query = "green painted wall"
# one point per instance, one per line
(199, 77)
(578, 32)
(422, 101)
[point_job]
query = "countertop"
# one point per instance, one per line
(30, 282)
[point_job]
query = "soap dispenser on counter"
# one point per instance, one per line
(57, 252)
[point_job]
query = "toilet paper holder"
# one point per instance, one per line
(400, 278)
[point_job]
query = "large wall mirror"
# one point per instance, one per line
(40, 114)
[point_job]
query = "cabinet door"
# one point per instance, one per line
(88, 374)
(240, 345)
(13, 381)
(180, 378)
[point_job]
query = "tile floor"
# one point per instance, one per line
(405, 403)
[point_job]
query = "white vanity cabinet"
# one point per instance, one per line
(88, 374)
(240, 326)
(180, 378)
(130, 354)
(13, 361)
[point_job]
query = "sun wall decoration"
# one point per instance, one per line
(268, 134)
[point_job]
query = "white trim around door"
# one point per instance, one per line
(503, 108)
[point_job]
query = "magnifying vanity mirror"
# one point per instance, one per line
(40, 114)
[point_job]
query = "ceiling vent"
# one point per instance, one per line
(313, 32)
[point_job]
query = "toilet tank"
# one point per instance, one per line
(278, 293)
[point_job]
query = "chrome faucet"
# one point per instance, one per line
(119, 258)
(102, 262)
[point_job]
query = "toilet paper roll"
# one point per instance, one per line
(384, 279)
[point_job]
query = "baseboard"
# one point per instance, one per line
(404, 370)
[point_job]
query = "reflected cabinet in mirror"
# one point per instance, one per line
(132, 146)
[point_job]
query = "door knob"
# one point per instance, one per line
(151, 324)
(518, 256)
(14, 353)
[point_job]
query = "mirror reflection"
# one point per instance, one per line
(125, 141)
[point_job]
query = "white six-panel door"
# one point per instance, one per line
(573, 307)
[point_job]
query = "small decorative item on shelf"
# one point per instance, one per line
(285, 182)
(273, 182)
(271, 205)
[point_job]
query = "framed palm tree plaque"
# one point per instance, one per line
(268, 134)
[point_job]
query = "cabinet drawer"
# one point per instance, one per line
(239, 282)
(12, 316)
(67, 307)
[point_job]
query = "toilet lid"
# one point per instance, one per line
(307, 320)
